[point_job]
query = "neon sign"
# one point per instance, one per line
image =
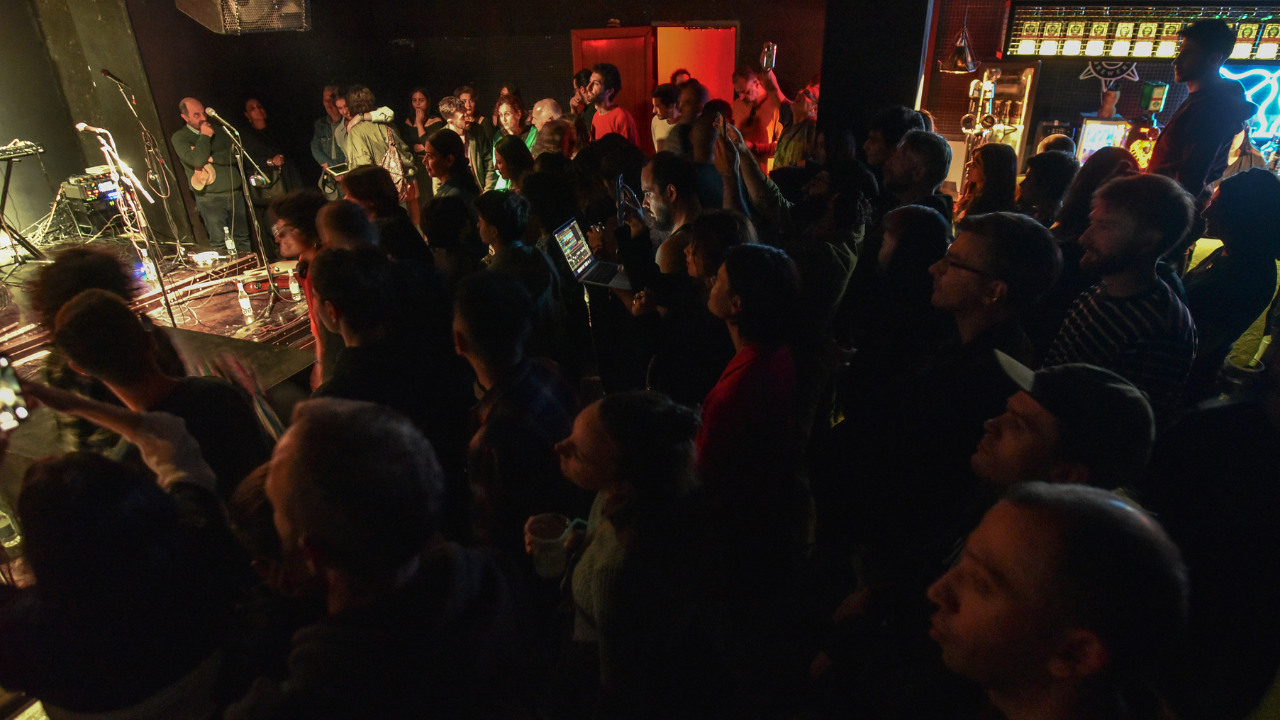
(1262, 88)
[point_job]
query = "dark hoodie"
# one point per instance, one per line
(1194, 146)
(439, 646)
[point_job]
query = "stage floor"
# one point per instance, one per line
(276, 345)
(203, 299)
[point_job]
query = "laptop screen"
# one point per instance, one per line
(574, 246)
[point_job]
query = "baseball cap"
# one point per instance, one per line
(1104, 421)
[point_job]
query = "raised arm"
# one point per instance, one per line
(166, 446)
(753, 177)
(770, 81)
(728, 162)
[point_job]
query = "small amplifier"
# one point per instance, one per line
(253, 287)
(255, 282)
(92, 198)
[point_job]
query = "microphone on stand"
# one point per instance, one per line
(108, 75)
(256, 179)
(214, 114)
(85, 128)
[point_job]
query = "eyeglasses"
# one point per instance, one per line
(952, 262)
(279, 230)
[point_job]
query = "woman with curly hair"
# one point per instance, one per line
(513, 121)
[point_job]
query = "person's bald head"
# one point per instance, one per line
(544, 111)
(192, 110)
(344, 224)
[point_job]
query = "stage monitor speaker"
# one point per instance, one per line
(237, 17)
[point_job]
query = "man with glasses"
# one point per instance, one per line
(296, 234)
(912, 441)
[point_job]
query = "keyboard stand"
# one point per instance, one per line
(4, 222)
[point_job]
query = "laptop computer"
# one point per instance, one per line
(586, 268)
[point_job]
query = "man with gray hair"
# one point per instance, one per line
(329, 136)
(416, 626)
(544, 111)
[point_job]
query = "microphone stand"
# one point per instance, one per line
(237, 148)
(154, 161)
(122, 175)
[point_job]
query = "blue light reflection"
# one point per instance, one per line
(1262, 88)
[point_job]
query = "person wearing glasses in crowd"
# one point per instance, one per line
(799, 140)
(907, 511)
(294, 229)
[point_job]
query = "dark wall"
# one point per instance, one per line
(83, 37)
(875, 50)
(34, 109)
(394, 45)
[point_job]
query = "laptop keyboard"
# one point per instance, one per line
(602, 273)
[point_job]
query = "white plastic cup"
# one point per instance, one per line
(549, 532)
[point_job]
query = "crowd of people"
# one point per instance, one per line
(839, 447)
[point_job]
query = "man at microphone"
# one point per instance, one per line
(205, 153)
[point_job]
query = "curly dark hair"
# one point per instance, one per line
(766, 281)
(299, 208)
(609, 76)
(448, 224)
(505, 210)
(714, 232)
(72, 272)
(372, 184)
(654, 437)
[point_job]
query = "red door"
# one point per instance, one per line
(708, 53)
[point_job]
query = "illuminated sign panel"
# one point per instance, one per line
(1130, 31)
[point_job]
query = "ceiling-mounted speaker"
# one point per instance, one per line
(237, 17)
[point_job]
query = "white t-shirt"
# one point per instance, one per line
(660, 129)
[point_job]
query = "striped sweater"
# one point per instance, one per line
(1149, 339)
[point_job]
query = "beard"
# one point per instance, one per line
(1093, 263)
(663, 220)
